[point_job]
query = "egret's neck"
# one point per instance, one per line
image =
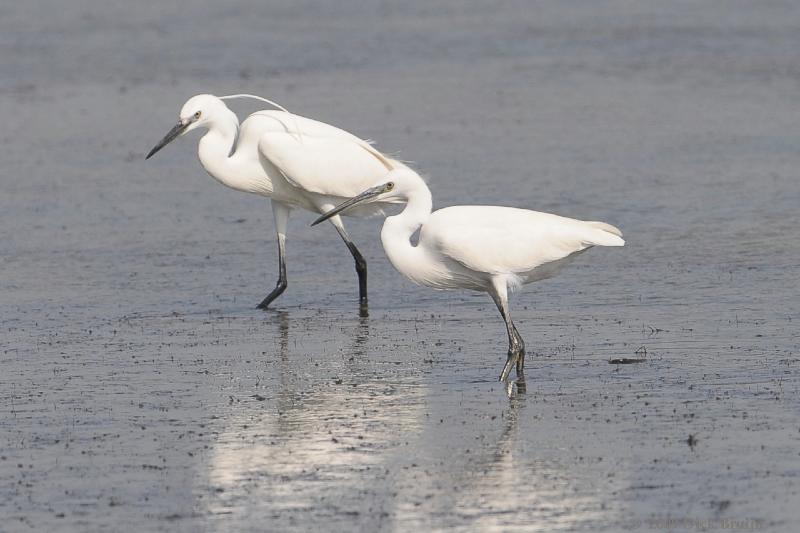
(216, 147)
(397, 231)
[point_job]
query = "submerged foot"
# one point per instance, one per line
(516, 359)
(277, 291)
(511, 362)
(266, 301)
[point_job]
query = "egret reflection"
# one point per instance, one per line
(508, 489)
(313, 443)
(389, 444)
(494, 482)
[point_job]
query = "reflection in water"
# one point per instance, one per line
(498, 485)
(507, 489)
(314, 445)
(283, 335)
(386, 451)
(516, 387)
(361, 337)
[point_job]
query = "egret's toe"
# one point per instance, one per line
(513, 356)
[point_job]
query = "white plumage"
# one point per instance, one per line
(484, 248)
(293, 160)
(492, 240)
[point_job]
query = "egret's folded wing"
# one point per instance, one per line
(335, 166)
(506, 240)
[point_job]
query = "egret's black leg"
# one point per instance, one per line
(282, 281)
(520, 348)
(280, 213)
(361, 266)
(516, 351)
(361, 270)
(516, 346)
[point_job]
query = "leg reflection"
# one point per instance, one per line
(283, 335)
(361, 337)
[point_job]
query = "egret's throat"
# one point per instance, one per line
(399, 231)
(217, 151)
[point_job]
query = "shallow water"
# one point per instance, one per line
(141, 390)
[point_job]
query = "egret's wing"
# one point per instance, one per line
(506, 240)
(341, 165)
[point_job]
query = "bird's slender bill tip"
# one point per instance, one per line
(361, 198)
(176, 130)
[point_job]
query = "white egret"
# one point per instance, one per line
(483, 248)
(293, 160)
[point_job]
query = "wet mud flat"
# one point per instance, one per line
(140, 390)
(304, 419)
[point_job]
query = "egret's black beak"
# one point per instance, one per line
(176, 130)
(365, 196)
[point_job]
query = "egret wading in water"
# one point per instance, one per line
(293, 160)
(483, 248)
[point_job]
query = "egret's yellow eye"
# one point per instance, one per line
(197, 115)
(390, 186)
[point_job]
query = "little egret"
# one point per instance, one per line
(293, 160)
(482, 248)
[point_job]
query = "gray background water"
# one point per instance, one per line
(140, 389)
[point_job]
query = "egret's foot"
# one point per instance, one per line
(513, 357)
(277, 291)
(516, 358)
(363, 309)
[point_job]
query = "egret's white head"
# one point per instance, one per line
(398, 185)
(197, 112)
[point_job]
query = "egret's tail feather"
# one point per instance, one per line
(609, 235)
(607, 227)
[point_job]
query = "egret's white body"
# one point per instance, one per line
(293, 160)
(473, 246)
(484, 248)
